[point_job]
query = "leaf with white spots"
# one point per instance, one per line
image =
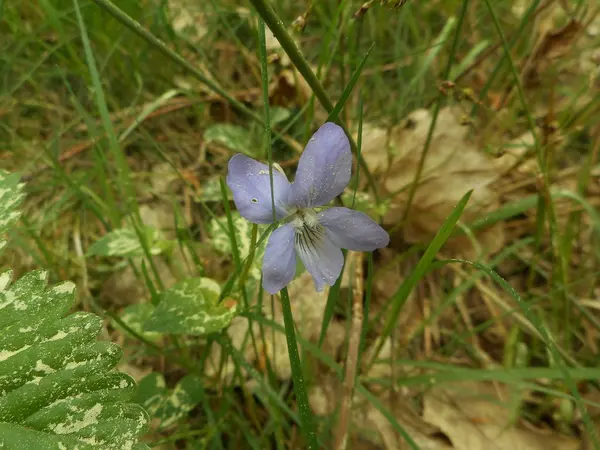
(124, 242)
(221, 241)
(136, 315)
(11, 196)
(167, 407)
(231, 136)
(58, 389)
(191, 307)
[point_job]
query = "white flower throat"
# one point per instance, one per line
(308, 231)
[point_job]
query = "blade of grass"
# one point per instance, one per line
(304, 411)
(431, 55)
(262, 54)
(436, 111)
(332, 298)
(333, 115)
(335, 289)
(562, 263)
(287, 43)
(377, 404)
(138, 29)
(548, 341)
(399, 298)
(525, 21)
(123, 177)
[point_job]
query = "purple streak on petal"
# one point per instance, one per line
(249, 181)
(322, 258)
(279, 262)
(353, 230)
(324, 168)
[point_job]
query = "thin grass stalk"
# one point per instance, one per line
(436, 111)
(287, 43)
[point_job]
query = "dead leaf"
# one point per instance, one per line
(453, 166)
(370, 426)
(475, 417)
(554, 44)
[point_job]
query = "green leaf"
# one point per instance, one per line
(151, 393)
(55, 384)
(136, 315)
(57, 387)
(231, 136)
(168, 407)
(221, 241)
(191, 307)
(399, 298)
(279, 114)
(124, 242)
(11, 196)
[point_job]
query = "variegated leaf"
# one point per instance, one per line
(124, 242)
(168, 407)
(220, 239)
(233, 137)
(56, 388)
(191, 307)
(11, 196)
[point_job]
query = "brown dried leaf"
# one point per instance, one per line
(369, 427)
(554, 44)
(453, 166)
(475, 416)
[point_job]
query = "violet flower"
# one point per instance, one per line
(315, 235)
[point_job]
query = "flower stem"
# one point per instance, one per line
(304, 410)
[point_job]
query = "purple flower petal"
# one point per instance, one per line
(279, 262)
(249, 181)
(321, 257)
(324, 168)
(353, 230)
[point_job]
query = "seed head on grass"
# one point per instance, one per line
(315, 234)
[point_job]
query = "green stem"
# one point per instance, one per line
(275, 24)
(304, 410)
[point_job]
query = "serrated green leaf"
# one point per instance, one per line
(53, 373)
(243, 237)
(191, 307)
(231, 136)
(124, 242)
(56, 391)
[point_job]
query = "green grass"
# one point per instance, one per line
(104, 109)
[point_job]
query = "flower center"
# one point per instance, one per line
(308, 229)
